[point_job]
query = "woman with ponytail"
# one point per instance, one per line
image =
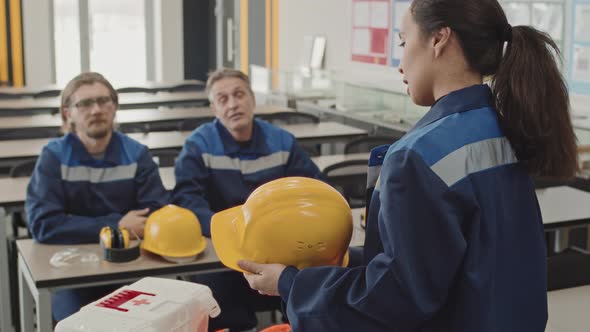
(454, 238)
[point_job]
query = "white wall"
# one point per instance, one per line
(169, 51)
(331, 18)
(38, 42)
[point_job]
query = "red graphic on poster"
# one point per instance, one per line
(370, 31)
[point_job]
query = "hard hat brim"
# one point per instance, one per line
(346, 259)
(197, 251)
(202, 246)
(225, 236)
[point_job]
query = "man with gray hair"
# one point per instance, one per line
(221, 163)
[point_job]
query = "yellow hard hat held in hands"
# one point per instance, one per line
(292, 221)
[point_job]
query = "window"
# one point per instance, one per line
(113, 42)
(117, 39)
(66, 40)
(545, 15)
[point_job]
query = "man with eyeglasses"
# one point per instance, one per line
(91, 177)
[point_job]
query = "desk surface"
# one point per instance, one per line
(126, 100)
(562, 206)
(27, 91)
(175, 139)
(37, 257)
(568, 310)
(150, 85)
(128, 116)
(324, 161)
(167, 173)
(13, 190)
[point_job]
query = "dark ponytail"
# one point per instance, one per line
(530, 94)
(532, 101)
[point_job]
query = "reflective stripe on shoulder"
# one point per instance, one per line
(473, 158)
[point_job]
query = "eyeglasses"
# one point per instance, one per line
(101, 101)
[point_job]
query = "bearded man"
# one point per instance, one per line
(91, 177)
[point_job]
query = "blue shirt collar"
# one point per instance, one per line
(466, 99)
(257, 144)
(112, 153)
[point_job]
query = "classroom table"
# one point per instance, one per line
(13, 193)
(291, 99)
(151, 86)
(38, 279)
(28, 126)
(564, 208)
(168, 179)
(12, 92)
(568, 310)
(13, 190)
(132, 100)
(323, 132)
(556, 205)
(5, 300)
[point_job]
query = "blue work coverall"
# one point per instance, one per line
(454, 238)
(214, 173)
(72, 195)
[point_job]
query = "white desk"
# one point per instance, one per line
(5, 310)
(126, 101)
(38, 279)
(568, 310)
(154, 119)
(13, 194)
(564, 208)
(323, 132)
(13, 190)
(122, 117)
(27, 91)
(169, 181)
(324, 161)
(550, 210)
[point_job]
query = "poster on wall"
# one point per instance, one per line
(548, 18)
(581, 64)
(580, 48)
(517, 13)
(399, 9)
(370, 31)
(582, 23)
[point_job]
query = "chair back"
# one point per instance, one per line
(23, 168)
(287, 118)
(349, 177)
(165, 157)
(365, 144)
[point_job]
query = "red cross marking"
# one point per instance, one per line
(140, 302)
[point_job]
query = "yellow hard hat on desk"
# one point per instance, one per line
(173, 233)
(293, 221)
